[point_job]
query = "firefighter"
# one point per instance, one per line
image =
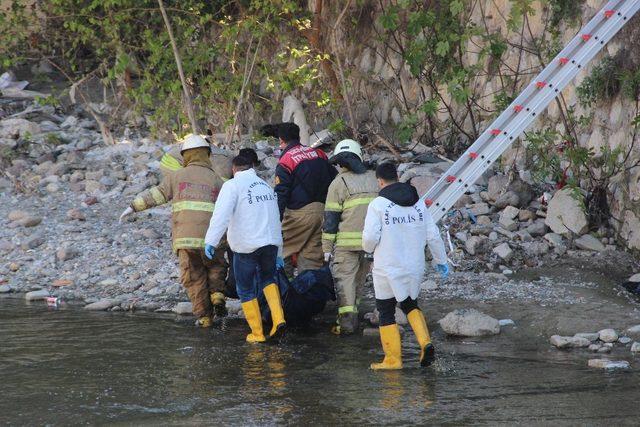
(348, 197)
(192, 190)
(397, 228)
(303, 176)
(220, 160)
(247, 210)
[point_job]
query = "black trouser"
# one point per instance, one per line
(387, 309)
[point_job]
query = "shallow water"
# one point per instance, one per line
(66, 366)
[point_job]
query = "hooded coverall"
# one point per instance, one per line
(347, 200)
(397, 228)
(193, 191)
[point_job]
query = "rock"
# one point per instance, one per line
(569, 342)
(635, 347)
(522, 190)
(462, 236)
(6, 246)
(108, 282)
(608, 364)
(496, 186)
(565, 213)
(29, 221)
(589, 243)
(509, 212)
(608, 335)
(372, 317)
(537, 229)
(91, 200)
(535, 248)
(634, 331)
(75, 214)
(469, 323)
(476, 245)
(429, 285)
(14, 266)
(483, 220)
(103, 304)
(509, 198)
(183, 308)
(508, 224)
(503, 251)
(66, 253)
(61, 283)
(4, 289)
(526, 215)
(591, 336)
(478, 209)
(270, 162)
(634, 279)
(233, 306)
(506, 322)
(69, 122)
(17, 215)
(150, 233)
(33, 242)
(604, 349)
(624, 340)
(554, 238)
(52, 188)
(36, 295)
(493, 236)
(18, 128)
(594, 347)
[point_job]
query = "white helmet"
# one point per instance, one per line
(348, 145)
(194, 141)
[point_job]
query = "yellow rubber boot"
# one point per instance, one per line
(272, 294)
(419, 325)
(251, 311)
(219, 304)
(204, 322)
(392, 346)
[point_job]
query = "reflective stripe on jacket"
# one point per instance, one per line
(346, 208)
(193, 191)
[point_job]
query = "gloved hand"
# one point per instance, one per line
(209, 251)
(327, 256)
(443, 269)
(126, 213)
(279, 262)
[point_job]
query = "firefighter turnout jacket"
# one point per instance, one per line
(193, 191)
(220, 160)
(348, 197)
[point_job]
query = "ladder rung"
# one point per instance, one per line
(540, 85)
(564, 61)
(451, 178)
(473, 155)
(495, 132)
(586, 37)
(428, 202)
(609, 13)
(518, 108)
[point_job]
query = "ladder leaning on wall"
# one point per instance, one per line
(528, 105)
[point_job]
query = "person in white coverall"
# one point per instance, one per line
(397, 228)
(248, 207)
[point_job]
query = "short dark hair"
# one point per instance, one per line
(250, 154)
(270, 130)
(289, 132)
(387, 172)
(242, 162)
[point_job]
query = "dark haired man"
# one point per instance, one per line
(247, 209)
(303, 176)
(397, 228)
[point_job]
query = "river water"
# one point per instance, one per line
(67, 366)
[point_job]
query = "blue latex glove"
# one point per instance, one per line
(209, 251)
(443, 269)
(279, 262)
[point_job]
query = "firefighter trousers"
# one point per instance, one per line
(201, 277)
(349, 270)
(302, 235)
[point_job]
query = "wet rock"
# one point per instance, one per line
(568, 342)
(634, 331)
(101, 305)
(5, 289)
(604, 349)
(234, 306)
(506, 322)
(589, 243)
(594, 347)
(510, 198)
(591, 336)
(469, 323)
(36, 295)
(635, 347)
(565, 213)
(183, 308)
(504, 251)
(634, 279)
(624, 340)
(608, 335)
(608, 364)
(476, 245)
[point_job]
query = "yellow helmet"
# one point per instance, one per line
(193, 141)
(348, 145)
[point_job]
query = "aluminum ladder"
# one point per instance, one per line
(535, 98)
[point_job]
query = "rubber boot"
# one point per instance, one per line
(272, 294)
(251, 311)
(219, 304)
(419, 325)
(204, 322)
(392, 346)
(347, 324)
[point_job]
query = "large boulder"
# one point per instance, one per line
(569, 342)
(565, 213)
(469, 323)
(18, 128)
(589, 243)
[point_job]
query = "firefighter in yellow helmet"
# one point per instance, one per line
(345, 209)
(193, 191)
